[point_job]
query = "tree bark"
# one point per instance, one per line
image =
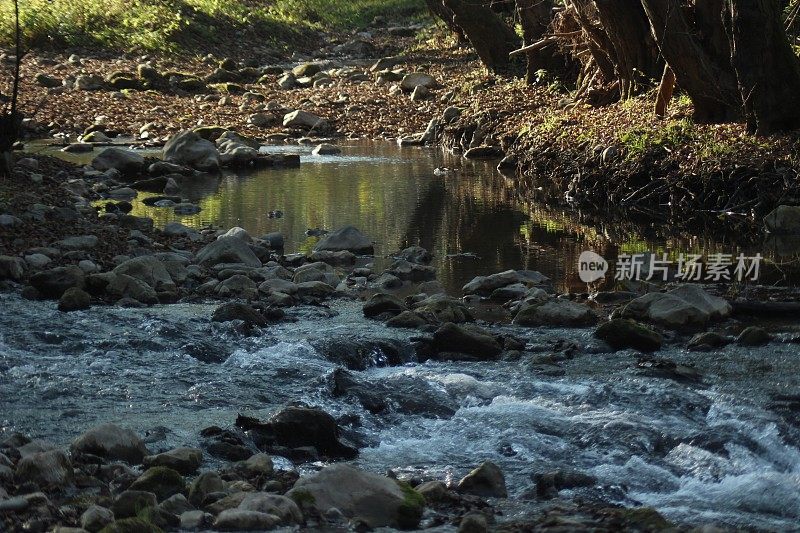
(441, 11)
(491, 38)
(710, 85)
(535, 17)
(767, 70)
(636, 54)
(665, 90)
(600, 45)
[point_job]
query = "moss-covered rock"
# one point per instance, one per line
(228, 88)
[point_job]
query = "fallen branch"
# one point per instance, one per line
(535, 46)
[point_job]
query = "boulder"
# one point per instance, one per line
(256, 465)
(132, 525)
(74, 299)
(476, 342)
(281, 506)
(686, 306)
(122, 286)
(784, 220)
(238, 311)
(326, 149)
(375, 500)
(205, 484)
(240, 520)
(417, 79)
(415, 254)
(486, 481)
(13, 268)
(237, 286)
(149, 270)
(111, 442)
(304, 120)
(383, 303)
(227, 250)
(54, 283)
(753, 336)
(297, 427)
(707, 341)
(161, 481)
(624, 333)
(187, 148)
(484, 152)
(485, 285)
(125, 161)
(129, 503)
(347, 238)
(406, 319)
(564, 313)
(306, 69)
(96, 518)
(442, 308)
(49, 470)
(183, 460)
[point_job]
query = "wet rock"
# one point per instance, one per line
(318, 271)
(486, 481)
(127, 162)
(625, 333)
(78, 148)
(74, 299)
(783, 220)
(304, 120)
(111, 442)
(195, 520)
(159, 518)
(347, 238)
(686, 306)
(333, 258)
(326, 149)
(227, 250)
(82, 242)
(475, 342)
(54, 282)
(667, 369)
(296, 427)
(415, 254)
(239, 311)
(183, 460)
(434, 491)
(484, 152)
(417, 79)
(281, 506)
(50, 470)
(440, 308)
(96, 518)
(406, 319)
(149, 270)
(278, 285)
(413, 272)
(548, 484)
(240, 520)
(753, 336)
(257, 465)
(314, 289)
(707, 341)
(132, 525)
(360, 354)
(187, 148)
(205, 484)
(473, 523)
(124, 287)
(383, 303)
(129, 503)
(161, 481)
(564, 313)
(485, 285)
(12, 268)
(375, 500)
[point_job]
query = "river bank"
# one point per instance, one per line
(241, 368)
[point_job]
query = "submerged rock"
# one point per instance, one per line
(375, 500)
(451, 338)
(296, 427)
(753, 336)
(485, 285)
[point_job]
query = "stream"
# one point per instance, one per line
(723, 451)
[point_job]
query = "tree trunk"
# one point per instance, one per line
(710, 85)
(636, 54)
(599, 43)
(535, 17)
(491, 38)
(441, 11)
(767, 70)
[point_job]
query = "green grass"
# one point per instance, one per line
(174, 25)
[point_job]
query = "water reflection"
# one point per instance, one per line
(394, 196)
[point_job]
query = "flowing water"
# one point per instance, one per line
(722, 451)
